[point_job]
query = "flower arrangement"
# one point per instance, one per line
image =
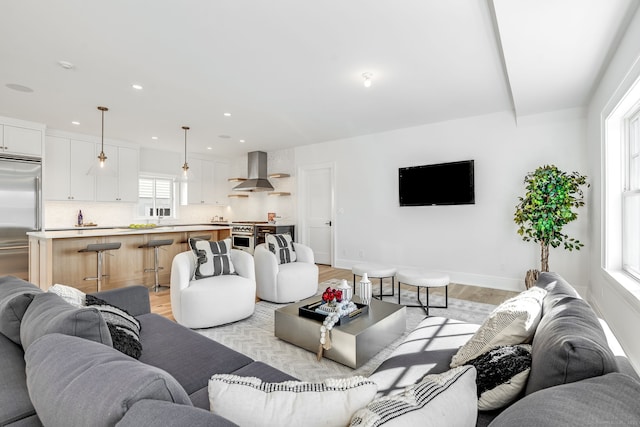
(332, 295)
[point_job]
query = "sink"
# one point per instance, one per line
(164, 227)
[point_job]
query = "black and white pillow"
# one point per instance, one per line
(123, 327)
(250, 401)
(213, 258)
(282, 246)
(502, 375)
(446, 399)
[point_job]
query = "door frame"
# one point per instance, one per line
(303, 236)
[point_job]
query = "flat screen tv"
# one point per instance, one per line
(437, 184)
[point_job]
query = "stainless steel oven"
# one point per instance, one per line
(243, 237)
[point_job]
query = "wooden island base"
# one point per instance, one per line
(54, 256)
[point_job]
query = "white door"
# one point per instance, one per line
(317, 208)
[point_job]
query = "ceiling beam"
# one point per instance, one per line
(496, 33)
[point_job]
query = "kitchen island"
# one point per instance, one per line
(54, 256)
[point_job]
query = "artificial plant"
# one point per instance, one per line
(547, 207)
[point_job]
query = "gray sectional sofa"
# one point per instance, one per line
(574, 374)
(57, 358)
(58, 368)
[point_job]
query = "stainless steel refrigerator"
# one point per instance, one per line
(20, 211)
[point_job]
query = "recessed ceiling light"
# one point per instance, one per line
(227, 114)
(242, 141)
(155, 138)
(136, 86)
(209, 148)
(66, 65)
(224, 136)
(366, 79)
(19, 88)
(75, 123)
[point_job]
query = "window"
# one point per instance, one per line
(621, 185)
(631, 198)
(155, 197)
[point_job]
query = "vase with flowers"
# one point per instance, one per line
(331, 296)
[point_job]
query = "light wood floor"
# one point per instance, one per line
(161, 301)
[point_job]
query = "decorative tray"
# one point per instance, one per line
(309, 311)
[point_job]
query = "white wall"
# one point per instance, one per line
(617, 305)
(477, 244)
(258, 204)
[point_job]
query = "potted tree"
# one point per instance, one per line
(546, 207)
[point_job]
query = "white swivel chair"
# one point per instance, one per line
(216, 300)
(288, 282)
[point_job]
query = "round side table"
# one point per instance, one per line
(424, 279)
(377, 271)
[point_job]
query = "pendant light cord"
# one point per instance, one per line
(185, 167)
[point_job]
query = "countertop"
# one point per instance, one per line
(118, 231)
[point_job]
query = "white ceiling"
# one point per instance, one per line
(289, 71)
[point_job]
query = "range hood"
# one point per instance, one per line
(257, 174)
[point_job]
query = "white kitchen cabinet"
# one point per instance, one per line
(221, 183)
(194, 184)
(118, 181)
(128, 174)
(66, 168)
(21, 140)
(201, 188)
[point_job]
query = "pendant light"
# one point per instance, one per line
(102, 156)
(185, 176)
(185, 167)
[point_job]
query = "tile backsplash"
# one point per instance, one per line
(65, 214)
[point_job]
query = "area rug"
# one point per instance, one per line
(254, 337)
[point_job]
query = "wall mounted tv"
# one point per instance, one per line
(437, 184)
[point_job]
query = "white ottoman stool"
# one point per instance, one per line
(424, 279)
(377, 271)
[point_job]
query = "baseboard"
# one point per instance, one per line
(484, 281)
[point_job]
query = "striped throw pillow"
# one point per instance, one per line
(214, 258)
(249, 401)
(282, 246)
(123, 327)
(447, 399)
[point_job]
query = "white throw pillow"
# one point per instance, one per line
(447, 399)
(512, 322)
(70, 294)
(212, 258)
(282, 246)
(502, 375)
(247, 401)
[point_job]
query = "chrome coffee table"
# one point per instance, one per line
(353, 343)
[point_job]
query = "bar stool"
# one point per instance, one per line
(376, 271)
(100, 248)
(155, 244)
